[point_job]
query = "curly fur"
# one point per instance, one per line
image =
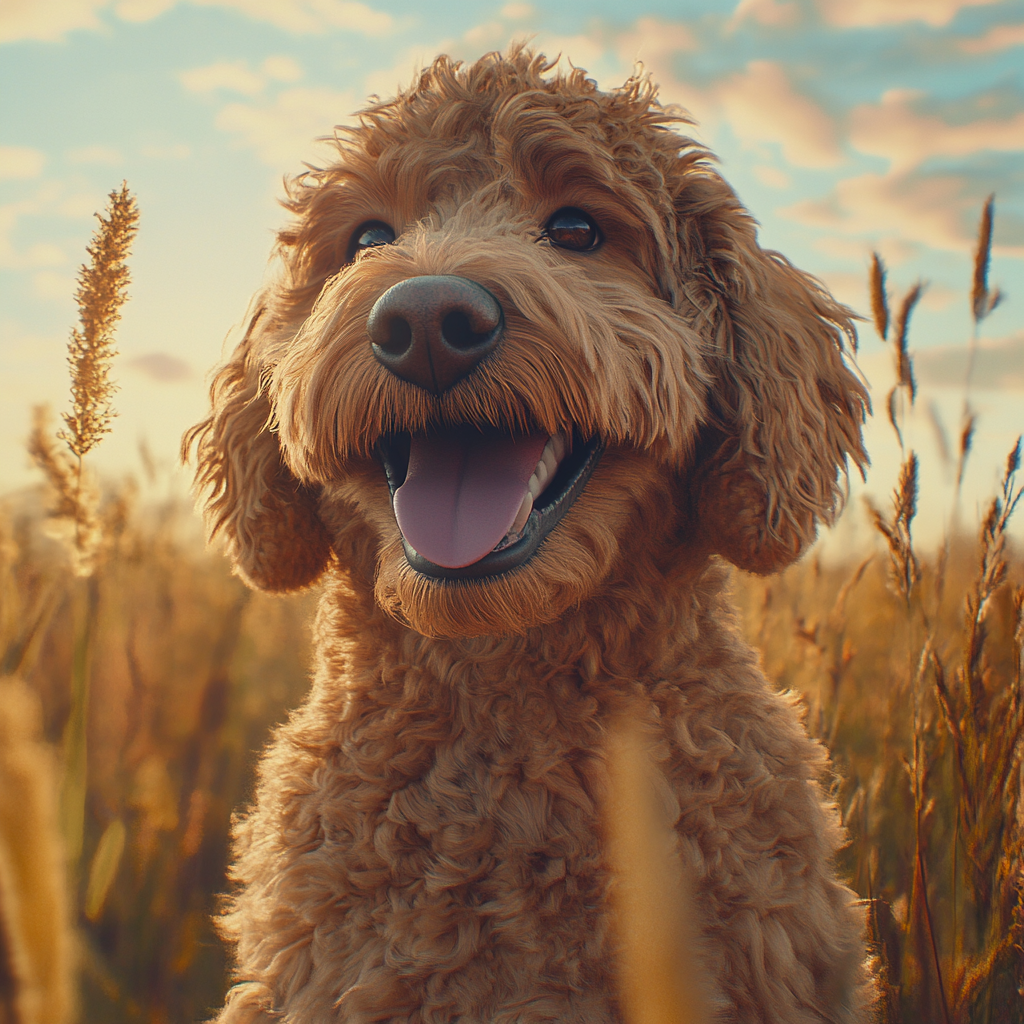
(437, 833)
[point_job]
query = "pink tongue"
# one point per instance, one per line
(463, 490)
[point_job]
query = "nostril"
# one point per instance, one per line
(399, 337)
(457, 332)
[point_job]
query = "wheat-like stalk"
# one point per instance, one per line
(898, 531)
(102, 291)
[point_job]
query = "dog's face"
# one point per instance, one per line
(521, 324)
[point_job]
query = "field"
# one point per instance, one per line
(156, 678)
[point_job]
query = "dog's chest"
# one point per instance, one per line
(464, 837)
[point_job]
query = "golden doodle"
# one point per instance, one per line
(523, 386)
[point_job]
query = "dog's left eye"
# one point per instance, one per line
(572, 229)
(369, 236)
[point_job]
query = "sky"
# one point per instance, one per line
(845, 126)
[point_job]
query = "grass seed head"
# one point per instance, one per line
(102, 291)
(879, 302)
(901, 328)
(984, 301)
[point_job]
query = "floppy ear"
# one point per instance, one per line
(785, 410)
(274, 535)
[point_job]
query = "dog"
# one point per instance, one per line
(525, 383)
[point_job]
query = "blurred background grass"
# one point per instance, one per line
(154, 678)
(189, 670)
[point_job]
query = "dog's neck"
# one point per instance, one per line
(624, 635)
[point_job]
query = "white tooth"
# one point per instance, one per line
(523, 514)
(534, 487)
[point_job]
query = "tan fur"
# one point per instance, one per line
(434, 834)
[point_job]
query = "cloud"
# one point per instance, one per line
(998, 37)
(937, 209)
(761, 105)
(93, 155)
(899, 130)
(21, 162)
(282, 131)
(487, 34)
(47, 20)
(873, 13)
(998, 365)
(765, 12)
(51, 20)
(142, 10)
(282, 68)
(162, 367)
(237, 76)
(849, 288)
(894, 251)
(50, 199)
(233, 76)
(281, 128)
(311, 16)
(54, 287)
(772, 176)
(37, 255)
(653, 39)
(517, 11)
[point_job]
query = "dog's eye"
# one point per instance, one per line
(572, 229)
(369, 236)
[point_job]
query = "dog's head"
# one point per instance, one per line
(522, 325)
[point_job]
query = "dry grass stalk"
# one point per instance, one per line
(964, 451)
(879, 299)
(904, 367)
(905, 381)
(659, 934)
(102, 291)
(984, 301)
(35, 934)
(73, 517)
(986, 724)
(897, 531)
(956, 883)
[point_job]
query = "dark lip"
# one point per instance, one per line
(551, 506)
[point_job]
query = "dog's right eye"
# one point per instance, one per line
(369, 236)
(570, 228)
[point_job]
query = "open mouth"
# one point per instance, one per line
(477, 501)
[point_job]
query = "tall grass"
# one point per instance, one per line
(909, 662)
(189, 671)
(918, 694)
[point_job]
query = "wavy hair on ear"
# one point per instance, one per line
(785, 409)
(269, 520)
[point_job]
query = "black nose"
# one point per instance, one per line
(432, 331)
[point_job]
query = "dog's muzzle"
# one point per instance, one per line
(462, 494)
